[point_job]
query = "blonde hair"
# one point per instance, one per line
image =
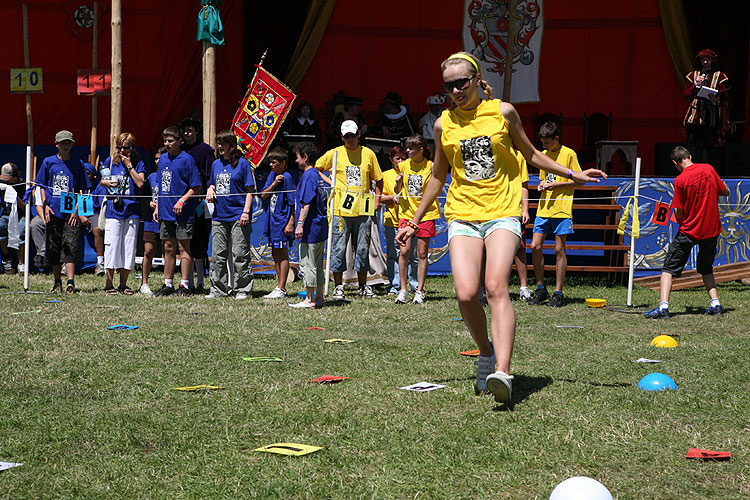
(466, 59)
(121, 139)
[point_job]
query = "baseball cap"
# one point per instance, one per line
(64, 135)
(349, 127)
(9, 171)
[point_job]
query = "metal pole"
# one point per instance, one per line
(27, 227)
(632, 240)
(94, 104)
(510, 46)
(332, 204)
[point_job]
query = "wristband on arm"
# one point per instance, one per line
(570, 174)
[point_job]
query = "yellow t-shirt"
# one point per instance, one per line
(354, 171)
(558, 203)
(486, 177)
(416, 176)
(390, 216)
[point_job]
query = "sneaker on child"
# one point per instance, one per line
(500, 385)
(366, 292)
(402, 298)
(338, 293)
(276, 293)
(483, 366)
(419, 297)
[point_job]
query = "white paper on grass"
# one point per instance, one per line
(9, 465)
(422, 387)
(644, 360)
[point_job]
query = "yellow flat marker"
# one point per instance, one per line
(292, 449)
(199, 388)
(338, 341)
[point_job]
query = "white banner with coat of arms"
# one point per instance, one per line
(485, 35)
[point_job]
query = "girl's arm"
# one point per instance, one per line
(535, 157)
(245, 217)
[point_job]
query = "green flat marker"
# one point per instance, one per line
(263, 359)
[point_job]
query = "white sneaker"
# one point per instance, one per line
(525, 294)
(212, 295)
(483, 366)
(99, 269)
(338, 293)
(500, 385)
(419, 297)
(276, 293)
(240, 296)
(302, 305)
(145, 290)
(366, 292)
(402, 298)
(21, 269)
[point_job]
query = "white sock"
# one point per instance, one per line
(169, 283)
(664, 305)
(99, 259)
(524, 289)
(185, 284)
(714, 303)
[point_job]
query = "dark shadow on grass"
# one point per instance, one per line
(597, 384)
(523, 387)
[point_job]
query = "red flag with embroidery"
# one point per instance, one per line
(261, 113)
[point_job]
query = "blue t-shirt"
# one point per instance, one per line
(151, 187)
(313, 190)
(58, 176)
(175, 176)
(231, 185)
(131, 207)
(98, 195)
(280, 205)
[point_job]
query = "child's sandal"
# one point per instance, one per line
(125, 290)
(110, 291)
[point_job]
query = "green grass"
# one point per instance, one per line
(93, 414)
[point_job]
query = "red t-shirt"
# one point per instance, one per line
(696, 192)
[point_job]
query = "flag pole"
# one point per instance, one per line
(332, 204)
(631, 267)
(509, 49)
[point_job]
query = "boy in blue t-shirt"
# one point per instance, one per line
(312, 224)
(278, 194)
(61, 174)
(150, 226)
(179, 182)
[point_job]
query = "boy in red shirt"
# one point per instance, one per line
(696, 203)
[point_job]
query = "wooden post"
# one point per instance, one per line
(94, 107)
(510, 46)
(116, 89)
(29, 121)
(209, 93)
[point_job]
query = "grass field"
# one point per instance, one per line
(93, 414)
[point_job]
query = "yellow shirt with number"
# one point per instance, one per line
(354, 171)
(486, 177)
(416, 176)
(390, 216)
(558, 203)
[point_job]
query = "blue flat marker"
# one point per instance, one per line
(122, 327)
(53, 301)
(458, 319)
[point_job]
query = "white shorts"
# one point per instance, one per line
(120, 238)
(482, 230)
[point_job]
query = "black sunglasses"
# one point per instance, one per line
(459, 84)
(123, 147)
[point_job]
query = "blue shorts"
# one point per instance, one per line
(555, 225)
(482, 230)
(285, 243)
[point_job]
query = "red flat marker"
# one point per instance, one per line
(314, 328)
(708, 454)
(328, 379)
(473, 353)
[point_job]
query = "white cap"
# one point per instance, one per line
(349, 127)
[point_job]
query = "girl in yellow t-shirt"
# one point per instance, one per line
(410, 184)
(474, 142)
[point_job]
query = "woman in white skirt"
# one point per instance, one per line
(123, 215)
